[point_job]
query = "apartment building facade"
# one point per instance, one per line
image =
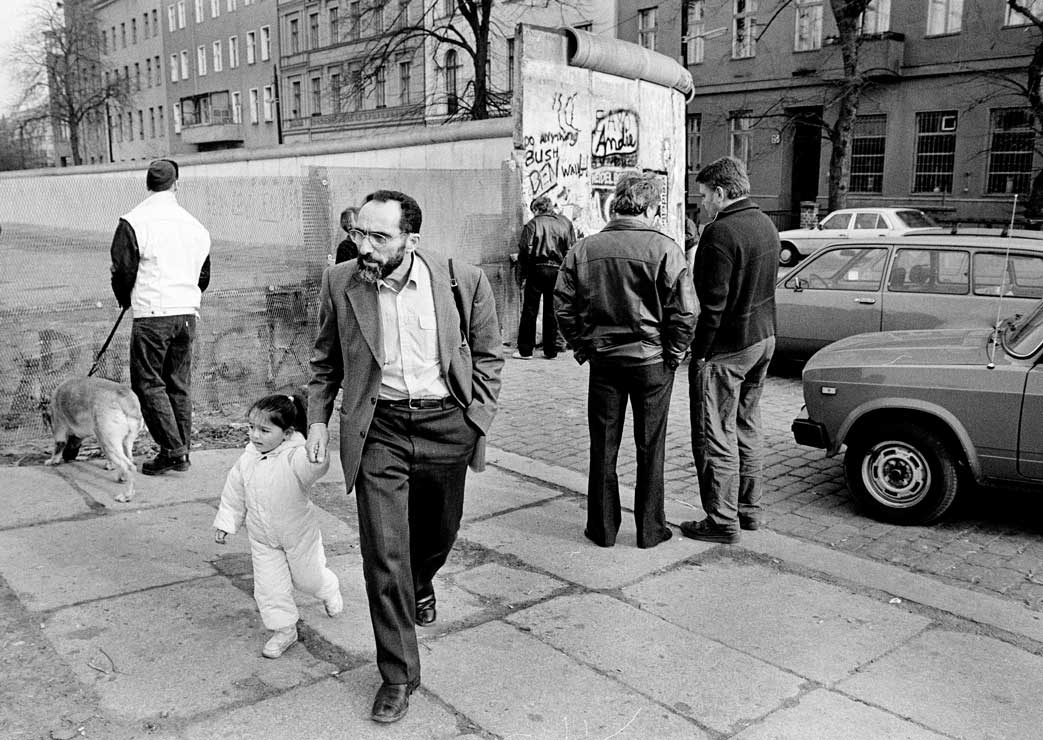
(939, 126)
(219, 63)
(336, 80)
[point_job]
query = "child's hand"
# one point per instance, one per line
(219, 536)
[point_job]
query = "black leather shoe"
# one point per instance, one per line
(707, 531)
(749, 522)
(425, 610)
(392, 701)
(666, 535)
(589, 536)
(163, 463)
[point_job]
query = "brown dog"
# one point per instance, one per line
(103, 408)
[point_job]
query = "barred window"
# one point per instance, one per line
(1011, 144)
(744, 25)
(935, 151)
(867, 154)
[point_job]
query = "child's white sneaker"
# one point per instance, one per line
(280, 642)
(334, 605)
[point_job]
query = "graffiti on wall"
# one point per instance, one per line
(553, 156)
(614, 140)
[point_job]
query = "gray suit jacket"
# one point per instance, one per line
(349, 351)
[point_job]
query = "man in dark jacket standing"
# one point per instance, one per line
(625, 302)
(736, 264)
(544, 242)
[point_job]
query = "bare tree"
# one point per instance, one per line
(61, 62)
(1029, 88)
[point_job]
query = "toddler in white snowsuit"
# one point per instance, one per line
(267, 488)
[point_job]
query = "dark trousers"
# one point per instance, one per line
(410, 490)
(161, 376)
(539, 284)
(648, 387)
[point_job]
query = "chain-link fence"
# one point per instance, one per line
(271, 237)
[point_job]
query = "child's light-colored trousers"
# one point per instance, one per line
(278, 570)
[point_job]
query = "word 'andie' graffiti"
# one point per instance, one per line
(614, 140)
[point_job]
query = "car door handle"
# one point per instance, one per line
(867, 301)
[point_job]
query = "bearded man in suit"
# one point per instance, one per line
(424, 349)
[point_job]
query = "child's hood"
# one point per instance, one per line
(294, 440)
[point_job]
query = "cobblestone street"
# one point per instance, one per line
(992, 542)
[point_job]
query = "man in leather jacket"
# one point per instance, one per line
(545, 241)
(625, 302)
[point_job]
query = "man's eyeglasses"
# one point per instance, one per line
(376, 237)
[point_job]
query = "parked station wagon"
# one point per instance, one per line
(922, 281)
(925, 415)
(849, 223)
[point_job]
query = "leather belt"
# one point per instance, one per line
(417, 404)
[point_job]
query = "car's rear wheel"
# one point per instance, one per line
(789, 255)
(903, 474)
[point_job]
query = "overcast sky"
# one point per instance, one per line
(14, 21)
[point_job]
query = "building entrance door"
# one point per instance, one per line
(807, 147)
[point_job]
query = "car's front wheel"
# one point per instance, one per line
(902, 474)
(789, 255)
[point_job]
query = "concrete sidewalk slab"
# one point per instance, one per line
(511, 587)
(515, 686)
(495, 491)
(67, 562)
(35, 495)
(179, 651)
(969, 686)
(550, 537)
(824, 715)
(808, 627)
(713, 685)
(331, 709)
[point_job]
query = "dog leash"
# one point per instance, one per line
(107, 341)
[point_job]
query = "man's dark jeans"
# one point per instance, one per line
(161, 376)
(539, 284)
(648, 387)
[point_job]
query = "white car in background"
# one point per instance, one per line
(850, 223)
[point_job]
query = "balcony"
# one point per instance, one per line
(881, 55)
(217, 127)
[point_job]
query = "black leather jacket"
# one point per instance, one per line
(545, 240)
(624, 296)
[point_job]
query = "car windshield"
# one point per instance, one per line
(1023, 335)
(915, 219)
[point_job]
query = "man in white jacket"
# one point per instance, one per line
(160, 268)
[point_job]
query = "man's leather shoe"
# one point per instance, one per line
(749, 522)
(667, 533)
(707, 531)
(163, 463)
(425, 610)
(392, 701)
(589, 536)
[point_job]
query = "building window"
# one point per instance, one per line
(354, 20)
(184, 64)
(254, 117)
(148, 72)
(741, 137)
(944, 16)
(1011, 145)
(130, 126)
(876, 18)
(646, 28)
(155, 32)
(694, 29)
(694, 141)
(295, 36)
(230, 5)
(867, 154)
(295, 99)
(452, 70)
(405, 73)
(266, 43)
(335, 85)
(356, 89)
(1014, 18)
(402, 19)
(808, 34)
(380, 86)
(313, 31)
(378, 18)
(251, 47)
(199, 11)
(218, 55)
(744, 28)
(510, 65)
(215, 8)
(123, 35)
(201, 61)
(144, 26)
(162, 122)
(233, 52)
(180, 13)
(935, 151)
(137, 75)
(237, 107)
(173, 68)
(268, 100)
(141, 124)
(171, 21)
(334, 23)
(133, 30)
(176, 112)
(316, 96)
